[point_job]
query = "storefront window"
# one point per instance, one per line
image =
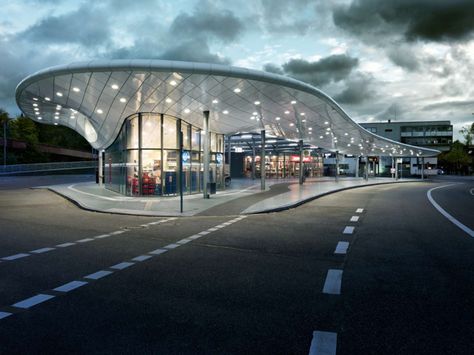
(169, 133)
(151, 170)
(151, 131)
(132, 132)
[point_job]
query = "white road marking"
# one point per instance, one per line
(332, 285)
(122, 266)
(98, 275)
(171, 246)
(323, 343)
(354, 219)
(33, 301)
(70, 286)
(5, 314)
(195, 236)
(204, 232)
(64, 245)
(212, 229)
(117, 232)
(16, 256)
(359, 210)
(142, 258)
(453, 220)
(158, 251)
(102, 236)
(42, 250)
(341, 248)
(85, 240)
(348, 230)
(184, 241)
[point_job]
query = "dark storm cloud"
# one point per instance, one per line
(282, 16)
(428, 20)
(222, 25)
(404, 58)
(87, 26)
(357, 90)
(394, 112)
(333, 68)
(273, 68)
(193, 50)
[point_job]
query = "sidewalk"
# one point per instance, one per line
(245, 197)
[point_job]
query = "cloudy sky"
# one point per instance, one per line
(402, 60)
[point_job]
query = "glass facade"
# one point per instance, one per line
(144, 159)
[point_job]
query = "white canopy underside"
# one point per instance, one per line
(94, 98)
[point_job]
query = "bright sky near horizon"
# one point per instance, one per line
(401, 60)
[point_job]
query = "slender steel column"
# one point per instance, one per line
(301, 163)
(277, 166)
(101, 167)
(336, 174)
(206, 153)
(357, 166)
(367, 168)
(229, 156)
(396, 168)
(254, 163)
(393, 167)
(262, 161)
(140, 165)
(180, 181)
(422, 168)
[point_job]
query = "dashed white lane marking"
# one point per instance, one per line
(102, 236)
(70, 286)
(323, 343)
(41, 251)
(142, 258)
(184, 241)
(195, 236)
(64, 245)
(354, 219)
(332, 285)
(453, 220)
(359, 210)
(16, 256)
(348, 230)
(123, 265)
(98, 275)
(5, 314)
(33, 301)
(341, 248)
(158, 251)
(85, 240)
(204, 233)
(212, 229)
(171, 246)
(117, 232)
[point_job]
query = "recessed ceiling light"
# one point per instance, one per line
(56, 117)
(303, 120)
(35, 105)
(40, 118)
(76, 89)
(225, 112)
(348, 144)
(37, 113)
(215, 101)
(237, 90)
(277, 118)
(72, 117)
(187, 110)
(123, 99)
(327, 133)
(99, 111)
(35, 98)
(326, 122)
(287, 112)
(346, 134)
(293, 102)
(168, 100)
(114, 86)
(252, 117)
(60, 94)
(47, 99)
(321, 137)
(292, 124)
(310, 128)
(255, 113)
(36, 109)
(173, 82)
(310, 132)
(302, 113)
(328, 129)
(257, 102)
(55, 123)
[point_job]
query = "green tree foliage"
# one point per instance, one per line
(468, 133)
(457, 160)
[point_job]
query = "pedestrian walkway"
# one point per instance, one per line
(244, 197)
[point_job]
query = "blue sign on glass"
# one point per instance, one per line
(219, 158)
(185, 156)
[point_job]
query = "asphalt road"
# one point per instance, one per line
(257, 284)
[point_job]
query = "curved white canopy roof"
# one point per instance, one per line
(94, 98)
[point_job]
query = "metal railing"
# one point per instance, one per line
(40, 167)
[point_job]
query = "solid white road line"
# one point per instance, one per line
(348, 230)
(42, 250)
(332, 285)
(341, 248)
(142, 258)
(85, 240)
(359, 210)
(102, 236)
(98, 275)
(354, 219)
(5, 314)
(16, 256)
(122, 266)
(70, 286)
(33, 301)
(323, 343)
(453, 220)
(64, 245)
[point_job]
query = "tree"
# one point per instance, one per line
(457, 159)
(468, 134)
(4, 118)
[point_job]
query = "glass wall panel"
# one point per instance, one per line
(213, 142)
(151, 131)
(151, 169)
(186, 130)
(132, 132)
(169, 133)
(170, 178)
(195, 171)
(196, 138)
(132, 173)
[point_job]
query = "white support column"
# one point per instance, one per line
(100, 153)
(301, 163)
(367, 168)
(336, 174)
(357, 166)
(393, 167)
(396, 168)
(422, 168)
(206, 153)
(262, 161)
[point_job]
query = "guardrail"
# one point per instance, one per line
(40, 167)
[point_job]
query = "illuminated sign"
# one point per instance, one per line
(219, 158)
(185, 156)
(296, 158)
